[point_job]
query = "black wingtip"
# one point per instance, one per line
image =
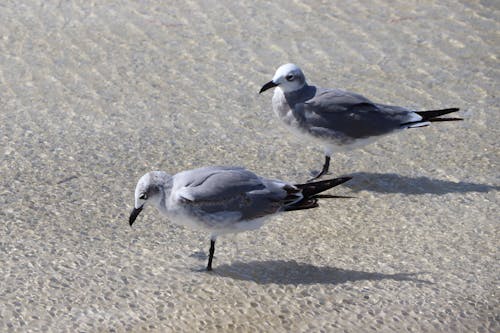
(329, 183)
(331, 196)
(432, 115)
(445, 119)
(341, 180)
(310, 192)
(312, 188)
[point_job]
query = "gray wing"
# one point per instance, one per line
(333, 111)
(221, 190)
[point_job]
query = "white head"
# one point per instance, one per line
(288, 77)
(149, 190)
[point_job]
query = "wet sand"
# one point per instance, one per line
(94, 95)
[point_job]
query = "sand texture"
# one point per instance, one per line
(93, 94)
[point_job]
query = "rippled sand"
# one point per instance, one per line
(94, 95)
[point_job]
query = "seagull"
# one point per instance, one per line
(224, 200)
(338, 120)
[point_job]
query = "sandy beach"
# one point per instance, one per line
(94, 94)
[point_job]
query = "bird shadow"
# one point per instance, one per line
(291, 272)
(394, 183)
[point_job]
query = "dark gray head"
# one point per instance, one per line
(288, 78)
(149, 190)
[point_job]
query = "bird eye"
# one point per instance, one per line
(144, 196)
(290, 77)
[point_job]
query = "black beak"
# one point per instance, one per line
(133, 215)
(268, 85)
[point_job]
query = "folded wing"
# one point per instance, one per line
(338, 113)
(231, 192)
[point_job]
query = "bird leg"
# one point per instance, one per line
(211, 254)
(326, 166)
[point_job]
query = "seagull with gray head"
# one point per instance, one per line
(338, 120)
(224, 200)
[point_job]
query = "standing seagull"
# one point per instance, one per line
(224, 199)
(338, 120)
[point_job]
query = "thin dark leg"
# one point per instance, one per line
(326, 166)
(211, 254)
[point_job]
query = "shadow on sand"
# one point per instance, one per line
(291, 272)
(394, 183)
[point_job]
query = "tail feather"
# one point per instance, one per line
(310, 193)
